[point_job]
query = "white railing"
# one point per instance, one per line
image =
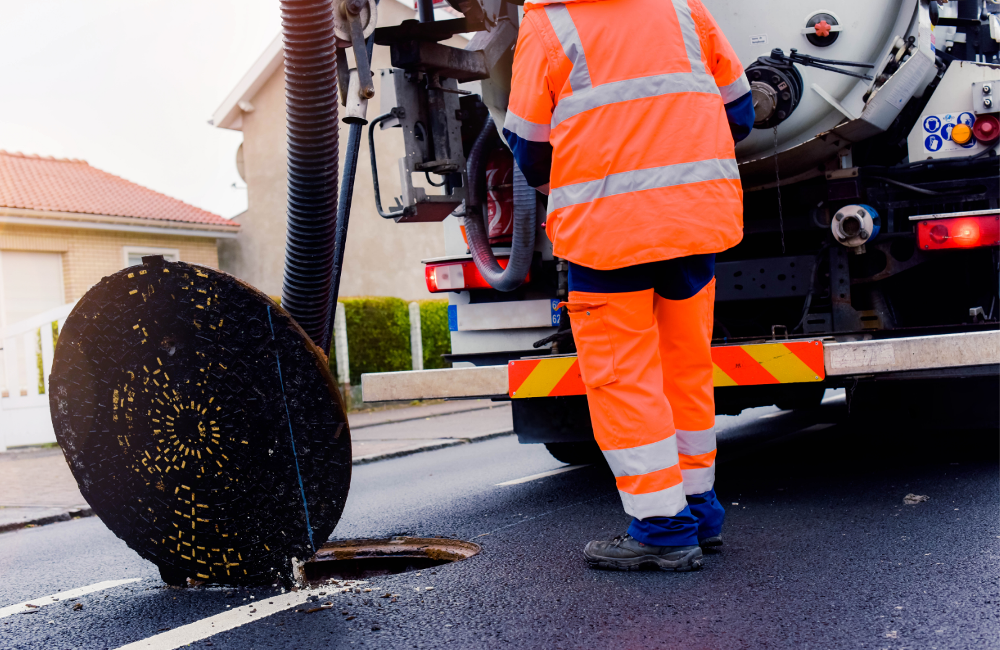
(26, 360)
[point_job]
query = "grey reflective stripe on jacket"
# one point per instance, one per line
(735, 90)
(651, 178)
(569, 38)
(522, 128)
(586, 96)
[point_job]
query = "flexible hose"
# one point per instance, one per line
(311, 100)
(525, 217)
(346, 200)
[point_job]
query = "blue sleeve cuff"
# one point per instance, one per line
(534, 158)
(741, 116)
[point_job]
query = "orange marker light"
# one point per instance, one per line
(961, 134)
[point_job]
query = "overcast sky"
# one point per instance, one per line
(129, 86)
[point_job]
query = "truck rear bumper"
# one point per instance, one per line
(779, 363)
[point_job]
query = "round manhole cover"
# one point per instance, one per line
(202, 425)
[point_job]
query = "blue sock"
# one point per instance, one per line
(707, 509)
(679, 530)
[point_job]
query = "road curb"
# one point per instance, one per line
(41, 521)
(364, 460)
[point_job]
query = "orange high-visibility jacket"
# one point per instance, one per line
(631, 94)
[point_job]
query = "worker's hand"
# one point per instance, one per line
(544, 189)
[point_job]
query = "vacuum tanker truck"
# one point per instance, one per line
(200, 418)
(870, 250)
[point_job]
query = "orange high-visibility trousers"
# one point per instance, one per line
(646, 362)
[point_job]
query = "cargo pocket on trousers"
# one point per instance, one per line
(596, 354)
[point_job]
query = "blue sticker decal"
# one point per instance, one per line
(967, 119)
(932, 124)
(946, 131)
(970, 144)
(555, 312)
(933, 142)
(452, 318)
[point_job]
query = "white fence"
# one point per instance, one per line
(26, 359)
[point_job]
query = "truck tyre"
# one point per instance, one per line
(801, 397)
(576, 453)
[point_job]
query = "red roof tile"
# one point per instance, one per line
(70, 185)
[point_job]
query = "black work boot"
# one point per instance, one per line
(625, 553)
(711, 542)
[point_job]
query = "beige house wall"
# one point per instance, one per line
(382, 257)
(89, 255)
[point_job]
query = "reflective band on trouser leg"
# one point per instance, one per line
(649, 478)
(698, 469)
(685, 348)
(617, 340)
(665, 503)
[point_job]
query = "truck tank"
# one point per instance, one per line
(818, 100)
(859, 31)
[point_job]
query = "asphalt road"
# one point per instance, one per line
(820, 552)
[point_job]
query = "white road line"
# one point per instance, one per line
(535, 477)
(21, 608)
(772, 415)
(818, 427)
(229, 619)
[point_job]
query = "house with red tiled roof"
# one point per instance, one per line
(64, 225)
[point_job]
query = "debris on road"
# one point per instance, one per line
(77, 607)
(912, 499)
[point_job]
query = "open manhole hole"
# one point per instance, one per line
(355, 559)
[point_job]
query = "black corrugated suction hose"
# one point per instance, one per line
(522, 247)
(311, 105)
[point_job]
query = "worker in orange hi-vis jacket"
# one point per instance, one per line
(626, 113)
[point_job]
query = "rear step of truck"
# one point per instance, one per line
(773, 362)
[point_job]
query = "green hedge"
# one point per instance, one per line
(378, 335)
(434, 333)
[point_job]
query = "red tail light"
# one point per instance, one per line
(959, 232)
(457, 276)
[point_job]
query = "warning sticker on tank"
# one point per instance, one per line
(937, 131)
